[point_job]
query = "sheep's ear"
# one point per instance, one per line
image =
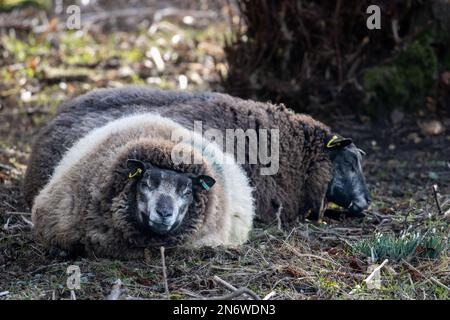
(203, 181)
(135, 168)
(334, 142)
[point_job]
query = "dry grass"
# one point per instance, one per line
(309, 262)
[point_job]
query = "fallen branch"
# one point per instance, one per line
(375, 271)
(18, 213)
(225, 284)
(432, 279)
(236, 292)
(28, 222)
(434, 188)
(269, 295)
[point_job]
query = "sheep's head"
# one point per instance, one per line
(347, 187)
(163, 196)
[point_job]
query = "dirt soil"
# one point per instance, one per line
(39, 69)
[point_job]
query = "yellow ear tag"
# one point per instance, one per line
(332, 140)
(136, 173)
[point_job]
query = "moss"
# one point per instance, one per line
(406, 81)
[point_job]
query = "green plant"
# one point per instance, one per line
(406, 81)
(431, 245)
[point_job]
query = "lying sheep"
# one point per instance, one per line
(117, 190)
(315, 165)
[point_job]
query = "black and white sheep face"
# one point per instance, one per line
(348, 187)
(163, 196)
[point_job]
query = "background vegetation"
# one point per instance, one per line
(319, 56)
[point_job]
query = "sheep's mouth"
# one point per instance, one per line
(335, 211)
(160, 228)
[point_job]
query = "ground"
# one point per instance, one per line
(40, 67)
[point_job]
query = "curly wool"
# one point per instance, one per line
(304, 173)
(87, 205)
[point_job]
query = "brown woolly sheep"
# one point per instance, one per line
(315, 165)
(90, 203)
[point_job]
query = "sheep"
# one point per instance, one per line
(88, 204)
(316, 165)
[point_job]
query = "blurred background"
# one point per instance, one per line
(315, 56)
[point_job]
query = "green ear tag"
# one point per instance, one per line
(204, 185)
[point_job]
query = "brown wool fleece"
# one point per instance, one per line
(88, 205)
(297, 189)
(89, 210)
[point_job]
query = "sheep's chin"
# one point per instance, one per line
(160, 229)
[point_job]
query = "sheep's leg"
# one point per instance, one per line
(58, 253)
(316, 188)
(317, 210)
(115, 251)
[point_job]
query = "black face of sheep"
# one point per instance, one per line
(163, 196)
(348, 187)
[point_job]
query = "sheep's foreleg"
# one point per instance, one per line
(316, 188)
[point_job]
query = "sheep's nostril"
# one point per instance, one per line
(164, 212)
(359, 205)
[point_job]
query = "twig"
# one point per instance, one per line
(18, 213)
(237, 293)
(233, 288)
(300, 255)
(27, 221)
(375, 271)
(278, 215)
(6, 225)
(225, 284)
(163, 260)
(4, 293)
(436, 281)
(116, 291)
(395, 27)
(433, 279)
(269, 295)
(434, 188)
(190, 293)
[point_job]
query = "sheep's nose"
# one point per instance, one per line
(164, 206)
(359, 205)
(164, 212)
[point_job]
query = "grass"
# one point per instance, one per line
(433, 244)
